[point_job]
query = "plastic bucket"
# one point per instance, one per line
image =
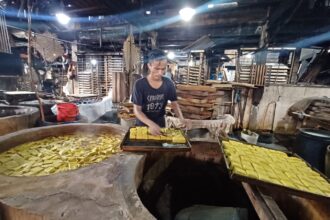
(52, 120)
(311, 145)
(251, 139)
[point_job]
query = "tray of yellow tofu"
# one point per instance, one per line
(266, 167)
(140, 139)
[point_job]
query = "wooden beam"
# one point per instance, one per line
(196, 88)
(265, 206)
(295, 66)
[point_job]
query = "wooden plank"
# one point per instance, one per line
(205, 105)
(197, 101)
(320, 104)
(196, 88)
(222, 86)
(272, 205)
(195, 116)
(252, 74)
(248, 107)
(267, 123)
(187, 96)
(217, 82)
(195, 110)
(320, 109)
(196, 93)
(265, 207)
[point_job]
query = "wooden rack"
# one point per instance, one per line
(98, 79)
(261, 75)
(194, 75)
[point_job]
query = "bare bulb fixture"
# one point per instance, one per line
(93, 62)
(187, 13)
(63, 18)
(171, 55)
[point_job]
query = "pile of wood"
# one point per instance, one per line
(196, 102)
(319, 109)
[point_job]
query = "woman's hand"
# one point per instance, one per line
(154, 129)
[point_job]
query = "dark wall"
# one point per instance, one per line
(10, 64)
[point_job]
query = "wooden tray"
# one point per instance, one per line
(273, 186)
(147, 145)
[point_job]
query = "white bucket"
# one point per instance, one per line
(252, 139)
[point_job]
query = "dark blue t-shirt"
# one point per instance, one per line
(153, 101)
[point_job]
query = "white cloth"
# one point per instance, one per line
(95, 110)
(215, 127)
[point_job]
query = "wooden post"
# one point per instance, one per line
(200, 67)
(30, 44)
(238, 66)
(106, 74)
(188, 72)
(293, 78)
(247, 111)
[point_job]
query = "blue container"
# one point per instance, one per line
(311, 145)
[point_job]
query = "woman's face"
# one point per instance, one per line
(157, 69)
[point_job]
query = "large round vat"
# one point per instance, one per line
(104, 190)
(15, 118)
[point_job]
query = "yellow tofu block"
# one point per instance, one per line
(163, 137)
(35, 170)
(132, 136)
(235, 158)
(139, 136)
(251, 174)
(142, 130)
(288, 183)
(316, 191)
(152, 137)
(301, 187)
(239, 171)
(157, 137)
(178, 139)
(234, 164)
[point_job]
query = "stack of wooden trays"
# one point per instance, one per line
(196, 102)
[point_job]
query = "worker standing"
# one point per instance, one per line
(151, 94)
